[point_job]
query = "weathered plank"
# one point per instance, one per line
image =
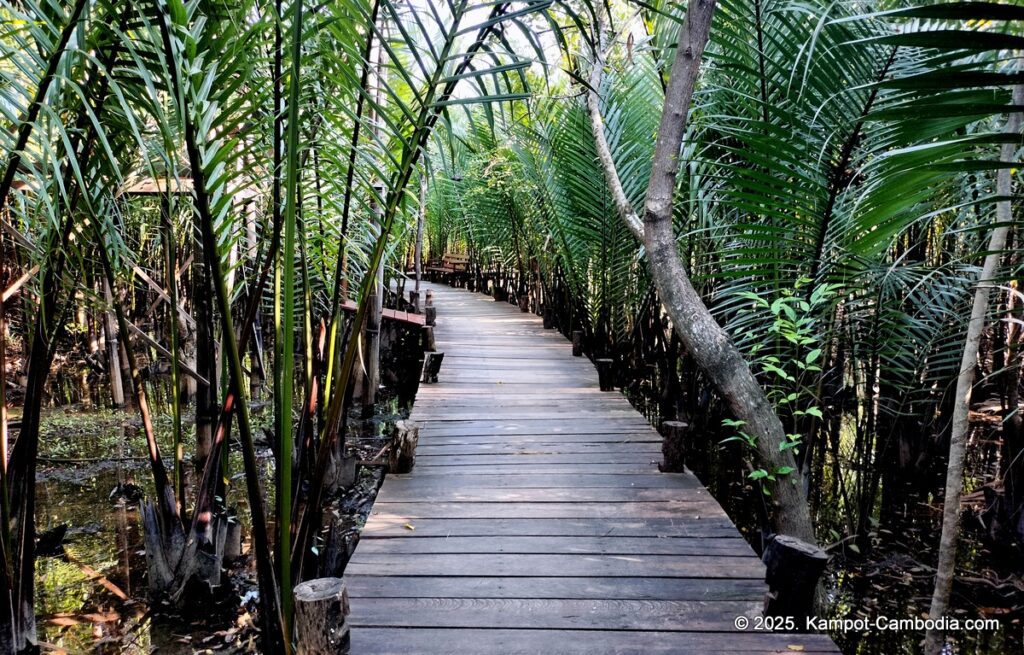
(360, 586)
(605, 566)
(680, 509)
(708, 546)
(456, 492)
(517, 480)
(398, 525)
(489, 641)
(544, 613)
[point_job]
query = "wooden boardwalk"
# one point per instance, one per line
(536, 521)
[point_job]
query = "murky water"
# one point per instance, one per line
(91, 594)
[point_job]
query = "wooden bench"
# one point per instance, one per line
(453, 269)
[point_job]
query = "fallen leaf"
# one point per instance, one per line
(409, 526)
(795, 647)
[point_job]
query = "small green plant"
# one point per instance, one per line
(790, 367)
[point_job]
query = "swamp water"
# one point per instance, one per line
(91, 594)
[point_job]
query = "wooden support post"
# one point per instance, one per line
(430, 313)
(605, 373)
(577, 343)
(524, 303)
(321, 611)
(792, 570)
(673, 446)
(429, 343)
(549, 317)
(414, 302)
(431, 367)
(233, 540)
(402, 457)
(113, 350)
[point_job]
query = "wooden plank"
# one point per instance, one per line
(360, 586)
(559, 614)
(689, 509)
(475, 494)
(390, 525)
(605, 566)
(444, 641)
(707, 546)
(516, 480)
(515, 460)
(536, 448)
(650, 437)
(528, 466)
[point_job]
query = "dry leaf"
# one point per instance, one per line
(795, 647)
(409, 526)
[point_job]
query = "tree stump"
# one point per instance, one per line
(792, 570)
(673, 446)
(605, 373)
(431, 367)
(321, 608)
(577, 343)
(402, 457)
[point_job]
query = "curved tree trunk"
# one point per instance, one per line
(709, 344)
(945, 570)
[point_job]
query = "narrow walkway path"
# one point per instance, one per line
(536, 521)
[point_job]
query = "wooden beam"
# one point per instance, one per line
(166, 353)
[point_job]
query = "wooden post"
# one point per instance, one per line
(113, 350)
(524, 303)
(792, 570)
(429, 344)
(431, 367)
(430, 314)
(605, 373)
(429, 341)
(321, 608)
(549, 317)
(577, 343)
(402, 457)
(414, 302)
(673, 446)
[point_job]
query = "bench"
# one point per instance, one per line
(453, 269)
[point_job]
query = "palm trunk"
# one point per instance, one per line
(708, 343)
(960, 427)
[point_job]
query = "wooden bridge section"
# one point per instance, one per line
(536, 521)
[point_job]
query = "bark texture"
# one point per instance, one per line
(706, 341)
(960, 426)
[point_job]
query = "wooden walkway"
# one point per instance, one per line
(536, 521)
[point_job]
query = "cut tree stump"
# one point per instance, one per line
(402, 456)
(431, 367)
(673, 446)
(321, 611)
(792, 570)
(429, 343)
